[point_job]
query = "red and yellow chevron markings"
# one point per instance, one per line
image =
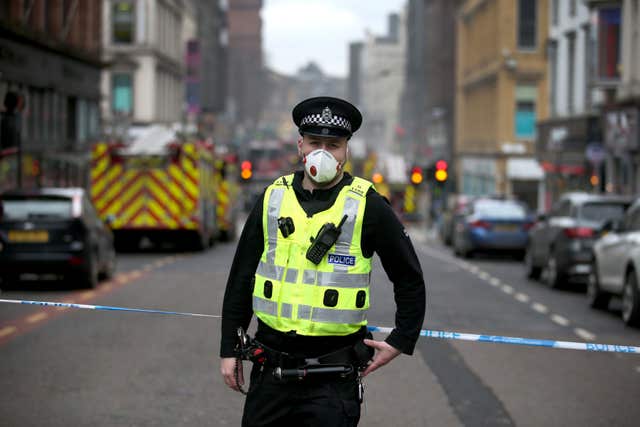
(165, 197)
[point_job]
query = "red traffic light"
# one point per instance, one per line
(441, 165)
(246, 171)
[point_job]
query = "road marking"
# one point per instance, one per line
(484, 275)
(563, 321)
(494, 281)
(7, 330)
(507, 289)
(638, 369)
(522, 297)
(584, 334)
(37, 317)
(540, 308)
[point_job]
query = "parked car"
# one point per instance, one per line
(560, 243)
(54, 231)
(490, 224)
(455, 207)
(616, 266)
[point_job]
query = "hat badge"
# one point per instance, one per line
(327, 115)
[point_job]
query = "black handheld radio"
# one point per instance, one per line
(324, 240)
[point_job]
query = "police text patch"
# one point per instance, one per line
(341, 259)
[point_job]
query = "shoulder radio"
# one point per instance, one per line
(324, 240)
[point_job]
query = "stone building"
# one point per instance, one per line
(501, 93)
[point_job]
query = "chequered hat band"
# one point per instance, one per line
(316, 119)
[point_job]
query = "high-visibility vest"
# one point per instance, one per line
(292, 293)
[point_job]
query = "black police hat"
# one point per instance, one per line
(326, 116)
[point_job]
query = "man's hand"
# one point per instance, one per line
(384, 354)
(228, 371)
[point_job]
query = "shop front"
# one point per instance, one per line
(568, 151)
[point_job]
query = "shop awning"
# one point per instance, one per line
(524, 169)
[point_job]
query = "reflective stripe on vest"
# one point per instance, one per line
(291, 293)
(326, 315)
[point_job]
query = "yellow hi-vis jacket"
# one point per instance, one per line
(293, 293)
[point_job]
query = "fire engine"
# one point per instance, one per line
(157, 188)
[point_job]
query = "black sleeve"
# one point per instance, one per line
(383, 234)
(237, 308)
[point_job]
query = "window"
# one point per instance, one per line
(123, 22)
(122, 93)
(525, 114)
(527, 24)
(554, 11)
(553, 75)
(609, 43)
(571, 69)
(572, 7)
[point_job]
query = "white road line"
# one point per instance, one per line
(584, 334)
(507, 289)
(524, 298)
(494, 281)
(638, 369)
(540, 308)
(562, 321)
(484, 275)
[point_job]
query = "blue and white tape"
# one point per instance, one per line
(498, 339)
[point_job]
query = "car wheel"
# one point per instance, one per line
(90, 279)
(110, 267)
(9, 281)
(631, 300)
(531, 271)
(553, 277)
(596, 297)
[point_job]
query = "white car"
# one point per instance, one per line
(616, 266)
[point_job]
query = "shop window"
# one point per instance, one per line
(609, 43)
(527, 20)
(122, 93)
(525, 113)
(123, 22)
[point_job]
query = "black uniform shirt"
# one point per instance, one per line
(382, 233)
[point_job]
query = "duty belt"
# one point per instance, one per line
(343, 362)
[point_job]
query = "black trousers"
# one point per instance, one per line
(311, 403)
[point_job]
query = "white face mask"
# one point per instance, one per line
(321, 166)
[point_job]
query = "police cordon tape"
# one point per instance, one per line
(498, 339)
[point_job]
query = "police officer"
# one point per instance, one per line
(302, 266)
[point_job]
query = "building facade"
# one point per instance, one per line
(501, 93)
(616, 71)
(246, 78)
(50, 57)
(382, 78)
(569, 142)
(144, 47)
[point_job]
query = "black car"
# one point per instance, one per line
(53, 231)
(560, 243)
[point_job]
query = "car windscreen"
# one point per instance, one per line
(16, 209)
(499, 209)
(602, 211)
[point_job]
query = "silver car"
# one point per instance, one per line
(616, 266)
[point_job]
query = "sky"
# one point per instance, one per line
(296, 32)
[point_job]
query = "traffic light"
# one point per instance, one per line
(246, 171)
(377, 178)
(441, 173)
(416, 176)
